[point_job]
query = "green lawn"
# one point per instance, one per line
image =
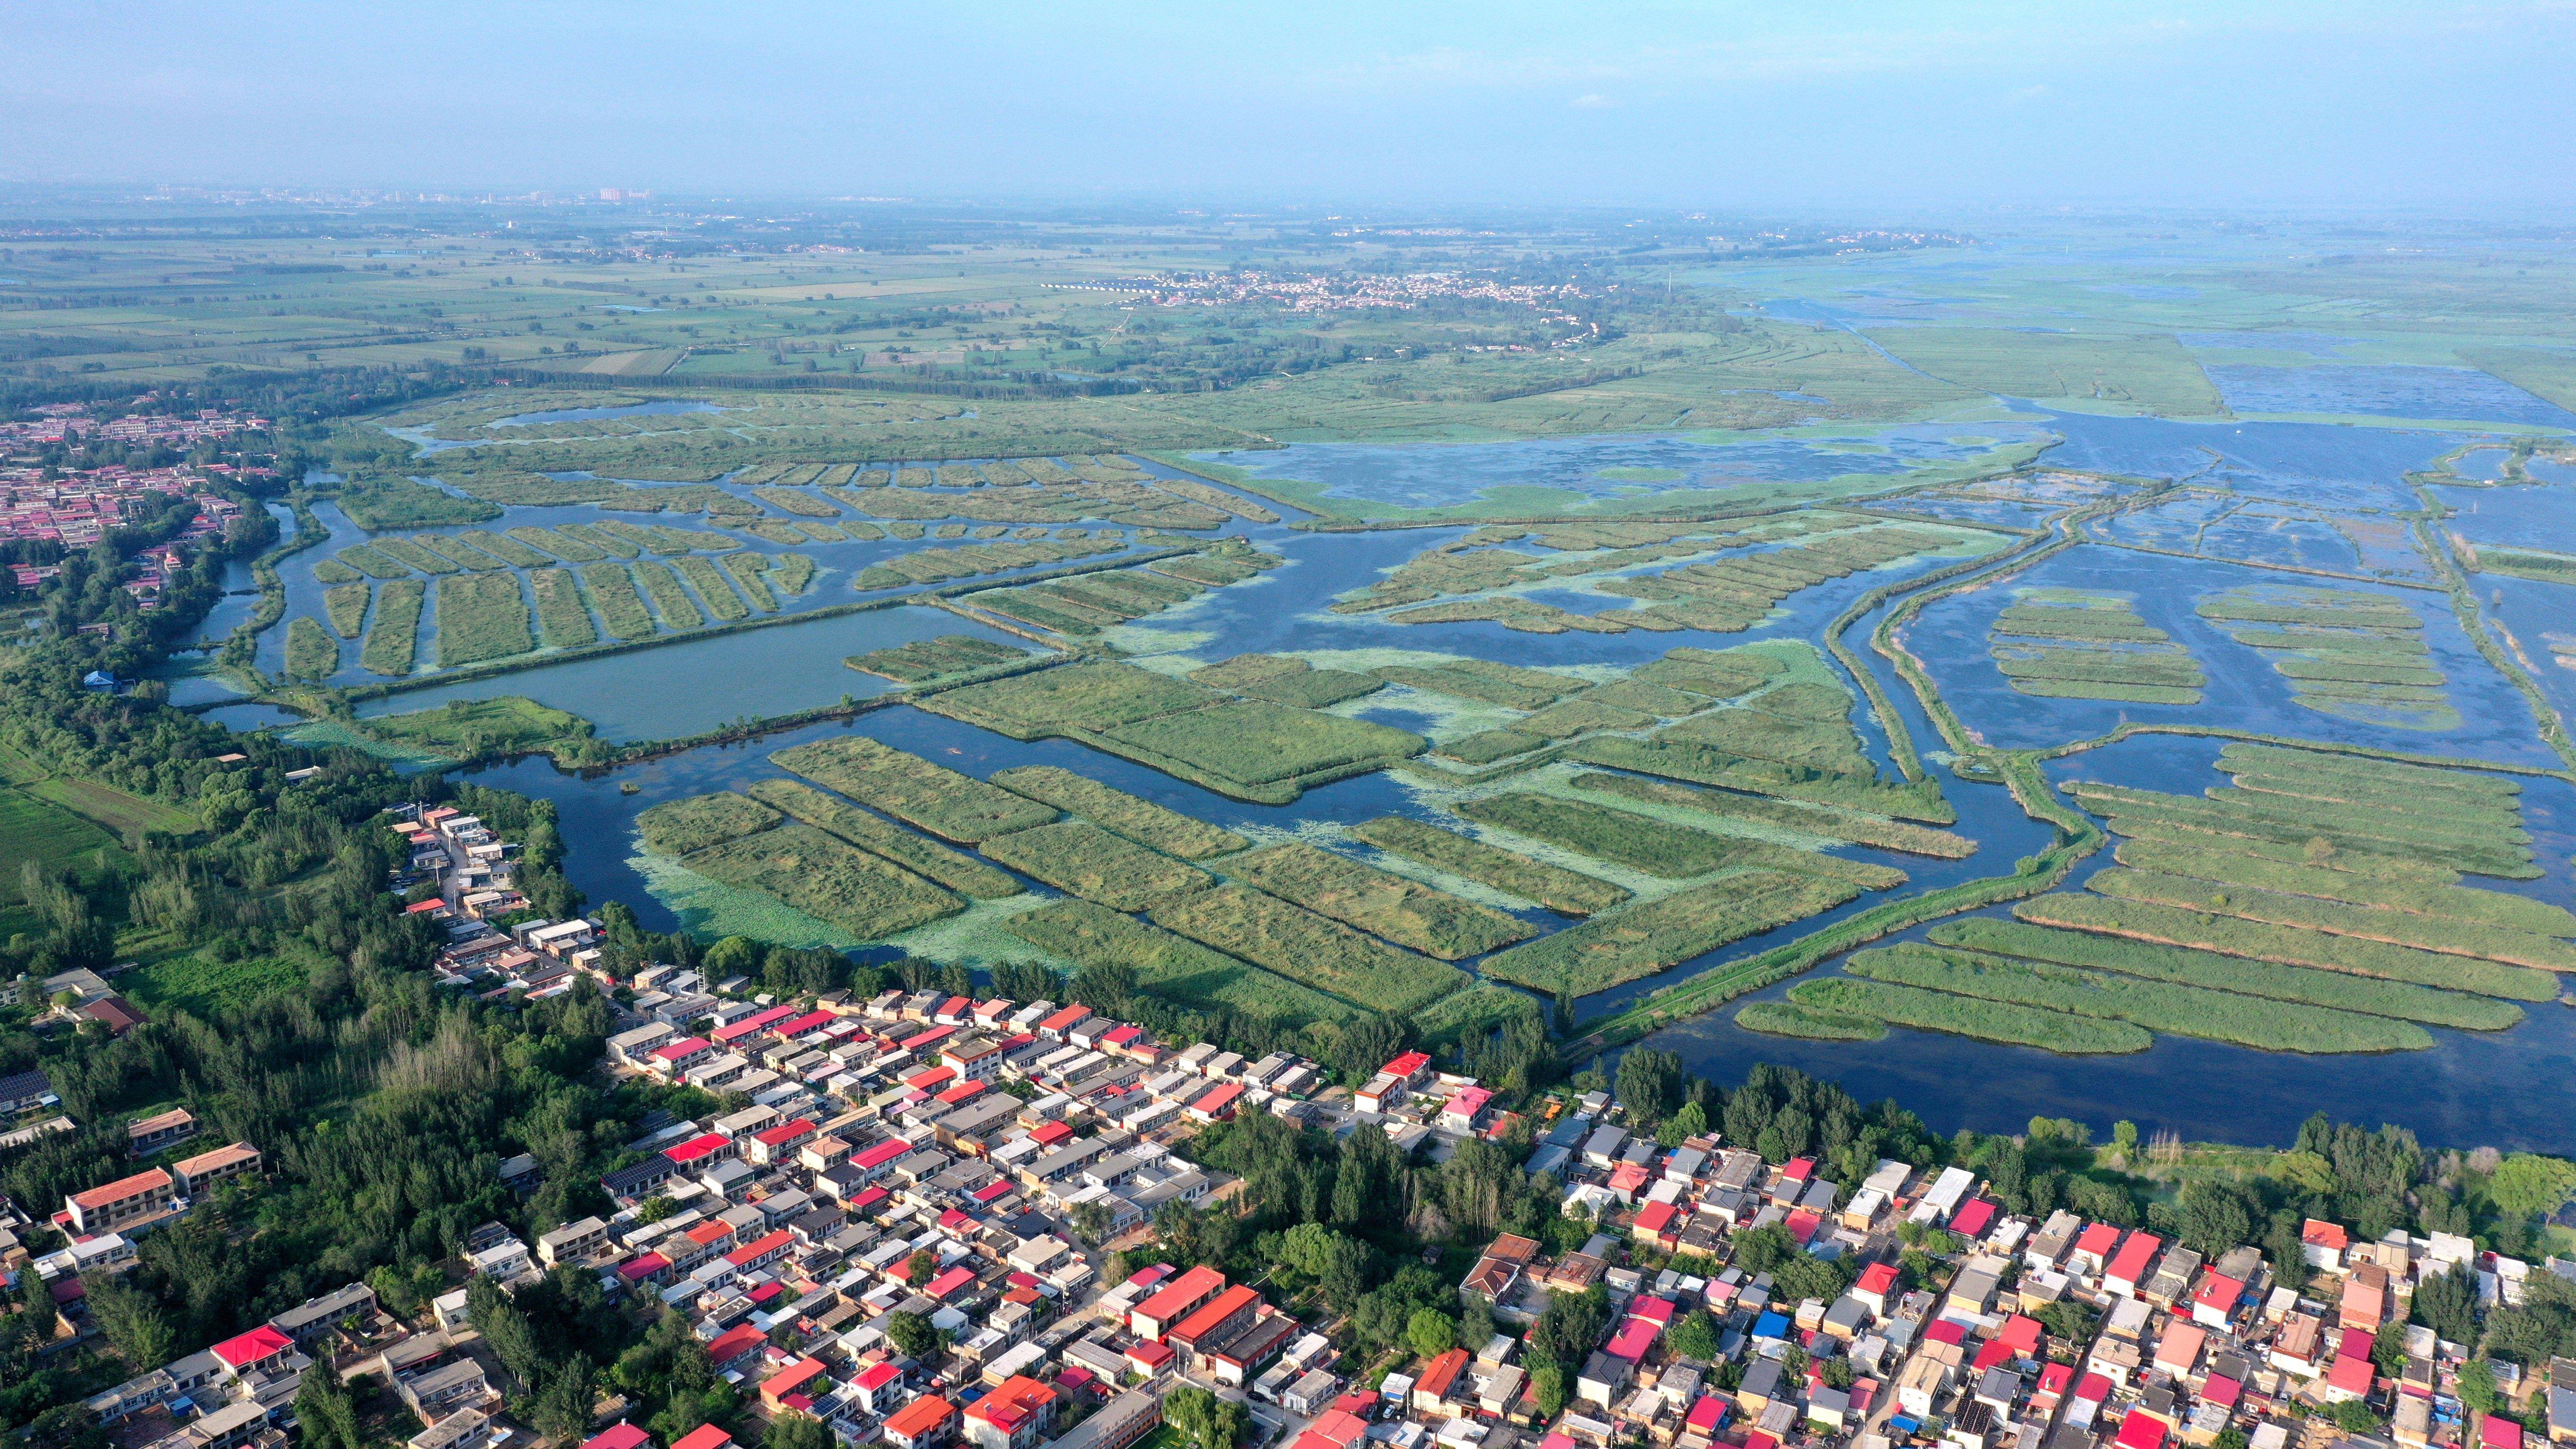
(175, 977)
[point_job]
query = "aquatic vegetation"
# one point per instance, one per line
(1246, 748)
(793, 572)
(923, 857)
(2169, 1007)
(366, 560)
(1384, 904)
(534, 489)
(332, 571)
(2080, 644)
(678, 827)
(2349, 653)
(1080, 858)
(2336, 918)
(377, 504)
(347, 606)
(455, 551)
(1994, 1021)
(943, 565)
(562, 617)
(481, 616)
(1172, 966)
(410, 554)
(1644, 843)
(2339, 990)
(1581, 715)
(812, 872)
(600, 538)
(1823, 821)
(1653, 936)
(1113, 809)
(1487, 746)
(1309, 949)
(1284, 679)
(2286, 945)
(1709, 765)
(747, 570)
(1475, 1014)
(621, 609)
(393, 637)
(669, 599)
(654, 539)
(1787, 1018)
(911, 789)
(2477, 842)
(924, 660)
(718, 596)
(311, 652)
(1508, 685)
(567, 547)
(2465, 905)
(1715, 673)
(1566, 892)
(793, 500)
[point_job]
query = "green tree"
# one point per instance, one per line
(921, 1267)
(792, 1430)
(38, 1317)
(733, 956)
(1572, 1325)
(2388, 1349)
(134, 1323)
(1550, 1381)
(1695, 1337)
(562, 1411)
(1649, 1083)
(912, 1333)
(2446, 1304)
(2478, 1388)
(324, 1416)
(2216, 1216)
(1430, 1332)
(2354, 1417)
(497, 1316)
(2230, 1439)
(2527, 1185)
(1689, 1122)
(2124, 1140)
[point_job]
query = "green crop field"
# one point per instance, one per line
(37, 831)
(1996, 1021)
(1788, 1018)
(393, 639)
(1566, 892)
(347, 606)
(2287, 945)
(1823, 822)
(923, 857)
(1173, 966)
(1307, 948)
(481, 616)
(913, 790)
(2163, 1006)
(311, 652)
(1113, 809)
(1384, 904)
(1655, 936)
(804, 868)
(1080, 858)
(562, 615)
(621, 609)
(2339, 990)
(677, 827)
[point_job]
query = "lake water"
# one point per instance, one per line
(2383, 390)
(1443, 475)
(2468, 1089)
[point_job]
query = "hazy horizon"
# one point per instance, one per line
(1920, 108)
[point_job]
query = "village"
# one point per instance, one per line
(901, 1220)
(73, 509)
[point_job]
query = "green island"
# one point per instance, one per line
(2080, 644)
(923, 857)
(1384, 904)
(1079, 858)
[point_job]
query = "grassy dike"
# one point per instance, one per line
(2435, 545)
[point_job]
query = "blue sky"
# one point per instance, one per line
(1927, 107)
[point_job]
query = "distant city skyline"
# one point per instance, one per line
(1724, 105)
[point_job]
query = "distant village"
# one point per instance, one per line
(76, 507)
(900, 1223)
